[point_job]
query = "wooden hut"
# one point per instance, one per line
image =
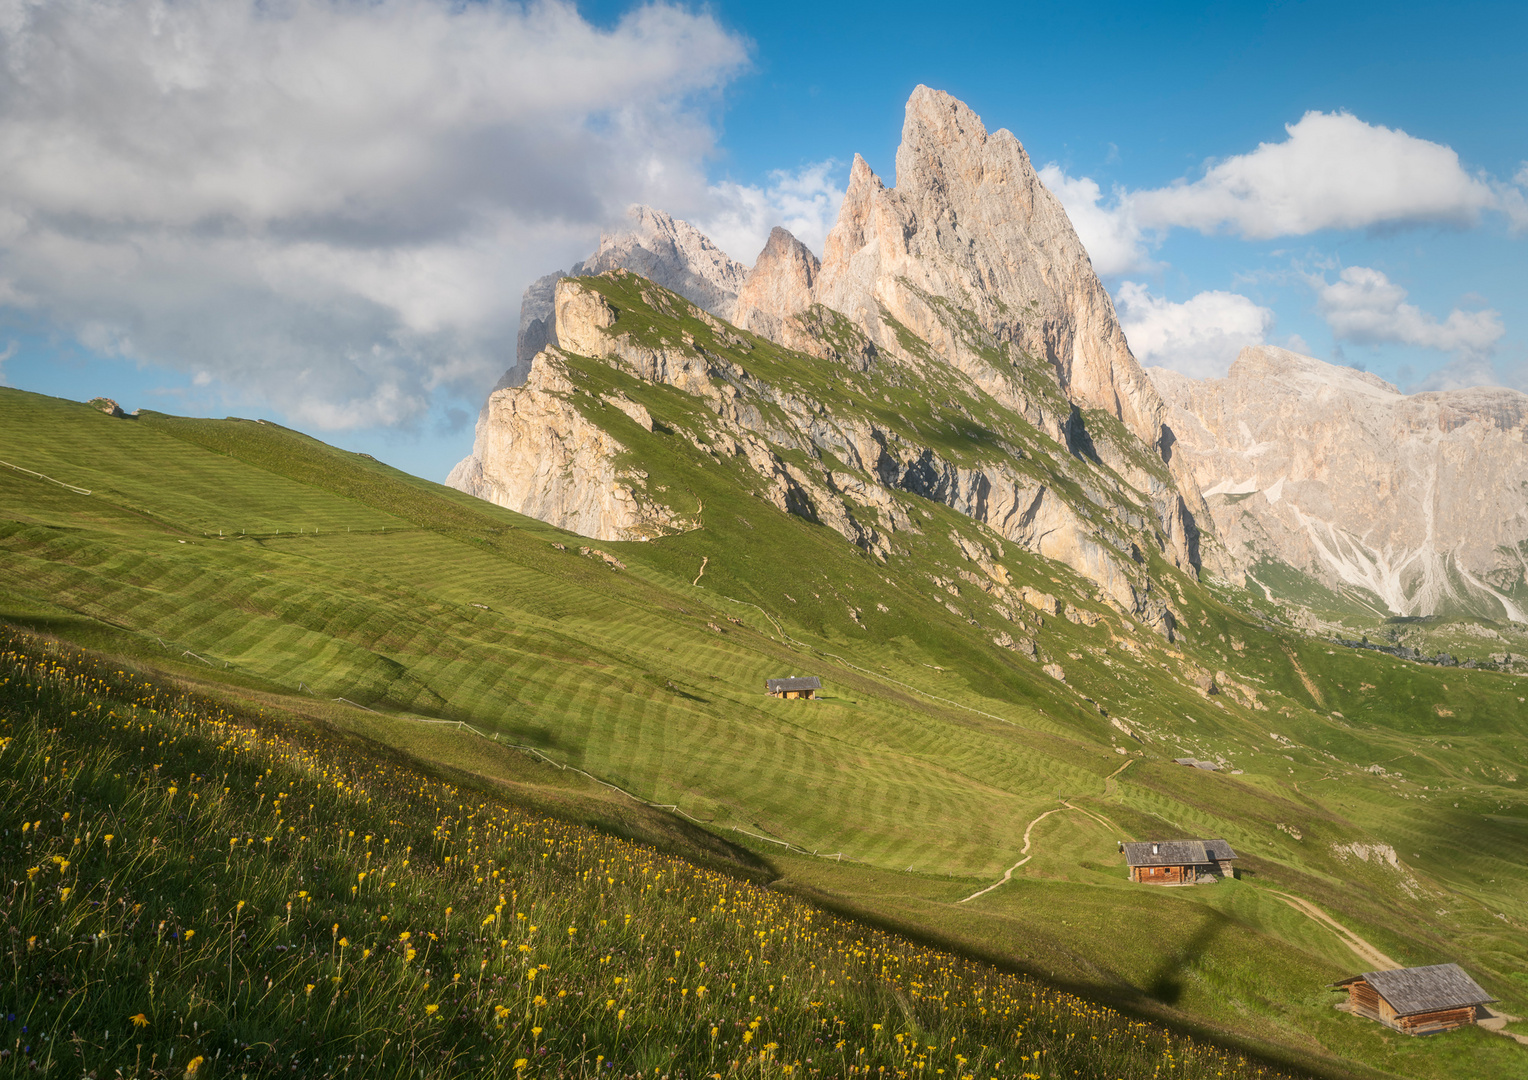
(797, 686)
(1417, 1001)
(1178, 862)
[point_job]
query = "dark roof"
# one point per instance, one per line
(795, 682)
(1166, 853)
(1424, 989)
(1219, 849)
(1176, 852)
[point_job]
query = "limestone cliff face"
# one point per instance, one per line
(969, 222)
(1419, 500)
(658, 246)
(536, 454)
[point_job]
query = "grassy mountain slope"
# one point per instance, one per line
(932, 753)
(366, 920)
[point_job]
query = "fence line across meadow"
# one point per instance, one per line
(49, 479)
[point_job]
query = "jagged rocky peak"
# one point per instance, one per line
(969, 227)
(1415, 499)
(676, 255)
(778, 287)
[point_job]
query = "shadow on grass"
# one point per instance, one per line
(1142, 1004)
(1166, 983)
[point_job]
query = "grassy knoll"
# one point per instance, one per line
(205, 892)
(934, 750)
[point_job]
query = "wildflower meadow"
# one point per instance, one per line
(194, 888)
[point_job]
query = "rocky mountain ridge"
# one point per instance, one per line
(858, 463)
(968, 279)
(657, 245)
(1417, 502)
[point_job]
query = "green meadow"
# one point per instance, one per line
(259, 568)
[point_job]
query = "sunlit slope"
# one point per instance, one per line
(934, 749)
(310, 589)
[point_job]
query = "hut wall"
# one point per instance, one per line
(1442, 1020)
(1366, 1001)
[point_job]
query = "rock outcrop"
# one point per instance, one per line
(777, 289)
(1420, 500)
(661, 248)
(970, 229)
(538, 455)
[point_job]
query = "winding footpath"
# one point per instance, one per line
(1008, 874)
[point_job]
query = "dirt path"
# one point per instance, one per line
(1008, 874)
(1105, 822)
(1361, 948)
(703, 560)
(1497, 1022)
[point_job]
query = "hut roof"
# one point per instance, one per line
(1166, 853)
(1176, 852)
(795, 682)
(1219, 849)
(1424, 989)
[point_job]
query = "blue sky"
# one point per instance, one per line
(324, 213)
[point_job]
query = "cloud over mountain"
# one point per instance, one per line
(1365, 307)
(1199, 337)
(332, 205)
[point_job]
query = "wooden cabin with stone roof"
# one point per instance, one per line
(797, 686)
(1178, 862)
(1416, 1001)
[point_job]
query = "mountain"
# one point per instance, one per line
(1413, 504)
(660, 247)
(957, 500)
(963, 289)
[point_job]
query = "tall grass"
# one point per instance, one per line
(199, 892)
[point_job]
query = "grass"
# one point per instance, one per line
(336, 577)
(199, 891)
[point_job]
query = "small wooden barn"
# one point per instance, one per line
(1417, 1001)
(797, 686)
(1178, 862)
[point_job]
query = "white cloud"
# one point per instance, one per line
(332, 205)
(1333, 171)
(6, 353)
(1199, 337)
(805, 202)
(1365, 307)
(1109, 233)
